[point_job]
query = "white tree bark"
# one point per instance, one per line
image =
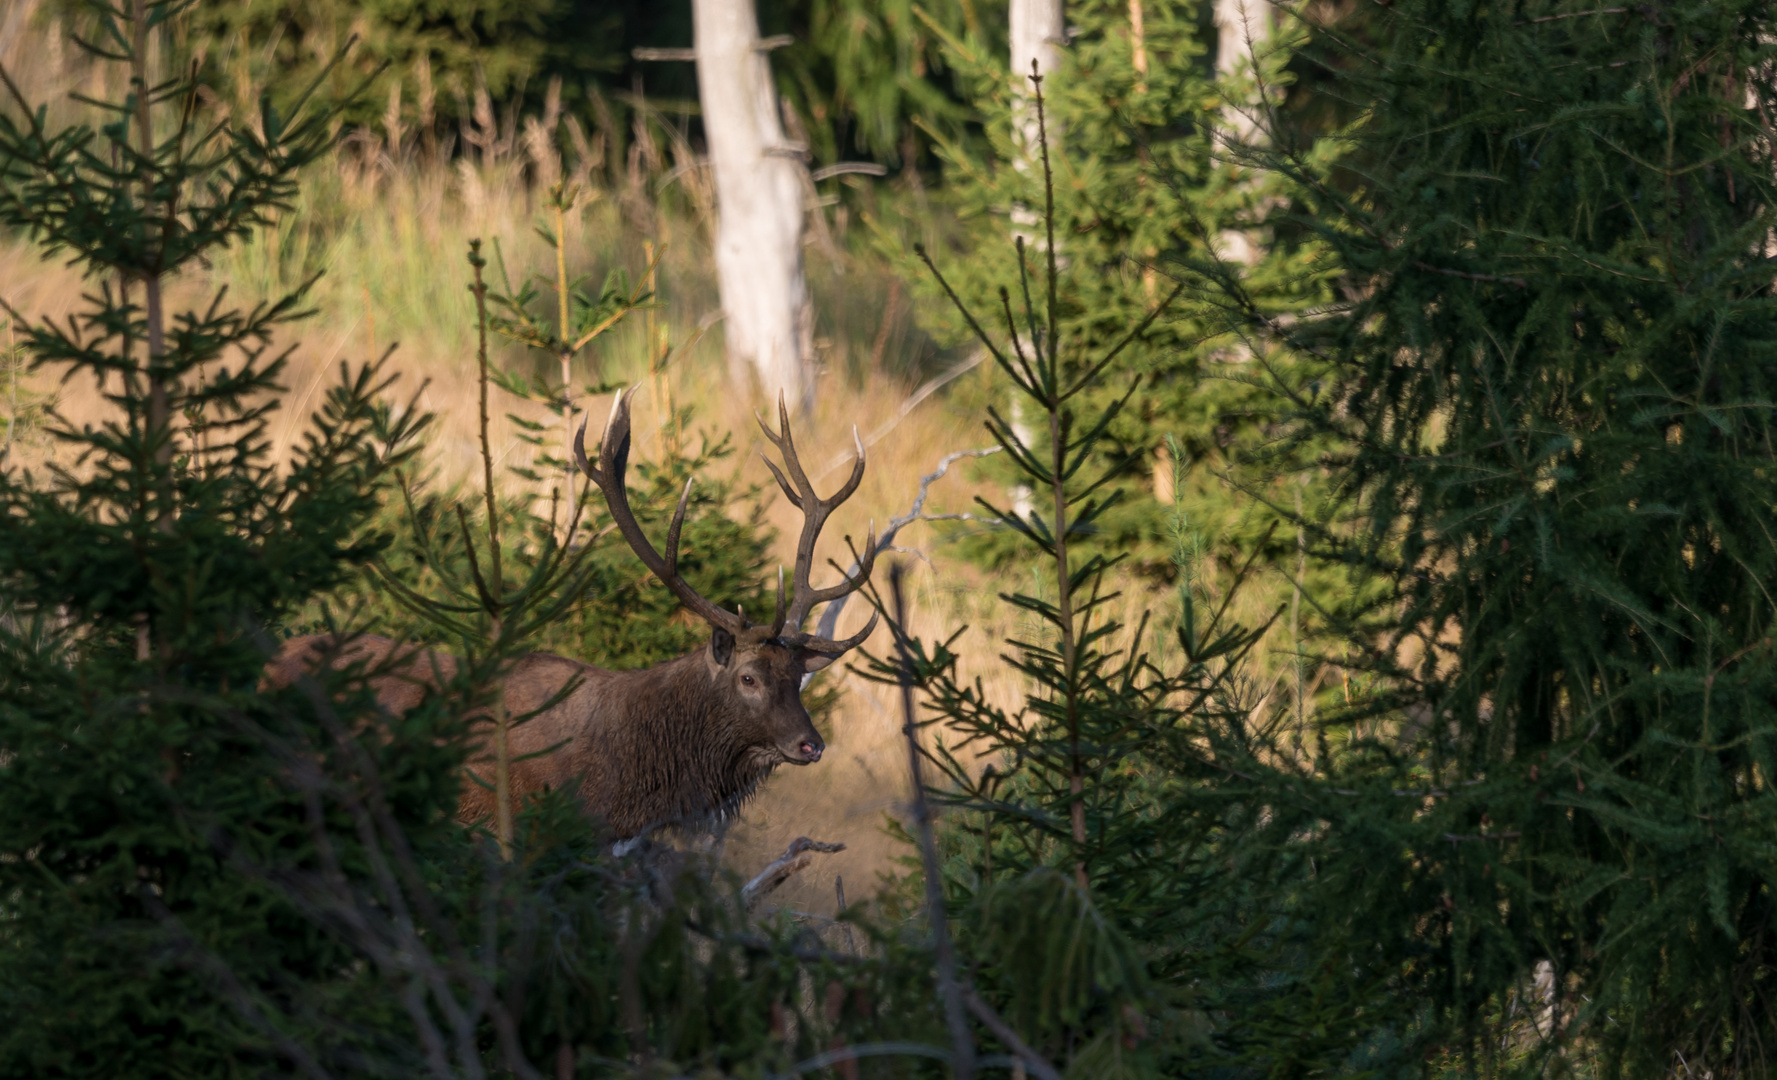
(1037, 28)
(1236, 20)
(1242, 28)
(759, 214)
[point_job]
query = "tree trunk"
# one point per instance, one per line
(1037, 31)
(759, 213)
(1242, 27)
(1239, 22)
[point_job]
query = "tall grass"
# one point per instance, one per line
(381, 232)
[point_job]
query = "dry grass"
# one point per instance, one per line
(387, 228)
(396, 274)
(843, 798)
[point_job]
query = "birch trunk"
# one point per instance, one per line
(1242, 27)
(1239, 22)
(759, 215)
(1038, 28)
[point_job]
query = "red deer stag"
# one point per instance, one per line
(684, 742)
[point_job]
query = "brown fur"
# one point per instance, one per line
(684, 742)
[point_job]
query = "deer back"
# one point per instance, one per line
(671, 744)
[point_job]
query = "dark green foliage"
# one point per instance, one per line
(1554, 375)
(861, 76)
(870, 79)
(1548, 378)
(199, 877)
(131, 585)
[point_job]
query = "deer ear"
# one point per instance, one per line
(721, 647)
(814, 661)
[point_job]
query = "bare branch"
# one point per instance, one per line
(793, 861)
(949, 988)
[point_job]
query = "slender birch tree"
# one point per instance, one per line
(1038, 29)
(768, 320)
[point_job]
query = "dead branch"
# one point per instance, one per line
(885, 540)
(949, 987)
(793, 861)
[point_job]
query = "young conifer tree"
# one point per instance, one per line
(1089, 879)
(140, 573)
(1554, 375)
(1151, 193)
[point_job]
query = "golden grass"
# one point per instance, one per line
(399, 272)
(388, 232)
(393, 271)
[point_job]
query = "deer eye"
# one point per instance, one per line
(747, 680)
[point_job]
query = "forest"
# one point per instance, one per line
(1216, 539)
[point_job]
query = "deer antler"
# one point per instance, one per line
(614, 457)
(815, 511)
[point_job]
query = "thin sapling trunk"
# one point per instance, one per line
(502, 723)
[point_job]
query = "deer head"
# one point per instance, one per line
(756, 670)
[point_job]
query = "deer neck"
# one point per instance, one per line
(689, 762)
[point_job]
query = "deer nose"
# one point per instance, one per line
(810, 750)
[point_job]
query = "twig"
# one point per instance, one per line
(829, 623)
(753, 943)
(1518, 282)
(792, 862)
(1004, 1033)
(851, 945)
(926, 390)
(864, 1050)
(1573, 15)
(864, 168)
(963, 1064)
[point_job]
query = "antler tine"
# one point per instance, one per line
(789, 492)
(786, 444)
(614, 457)
(585, 466)
(777, 621)
(856, 477)
(672, 531)
(829, 647)
(800, 491)
(618, 404)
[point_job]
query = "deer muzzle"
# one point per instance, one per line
(805, 750)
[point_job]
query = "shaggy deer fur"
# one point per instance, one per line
(684, 742)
